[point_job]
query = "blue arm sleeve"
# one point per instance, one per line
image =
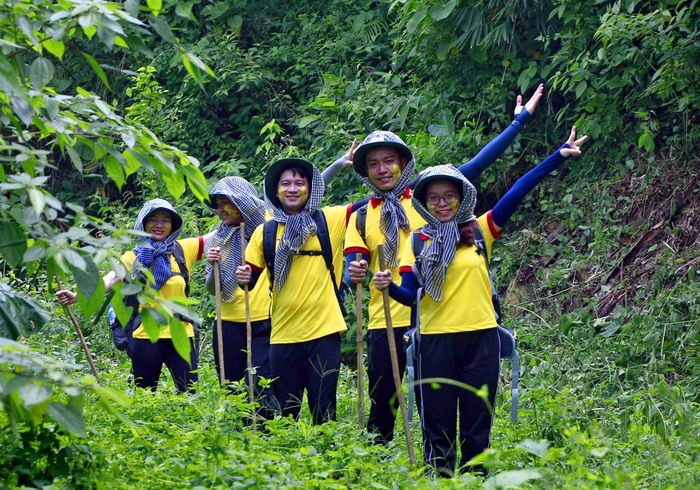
(507, 205)
(406, 293)
(348, 259)
(489, 153)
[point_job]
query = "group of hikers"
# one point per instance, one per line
(292, 265)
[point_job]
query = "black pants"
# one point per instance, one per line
(469, 358)
(147, 360)
(312, 366)
(382, 391)
(235, 348)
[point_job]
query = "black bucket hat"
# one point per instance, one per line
(272, 176)
(375, 140)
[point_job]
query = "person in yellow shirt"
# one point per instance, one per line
(459, 336)
(386, 165)
(307, 317)
(159, 218)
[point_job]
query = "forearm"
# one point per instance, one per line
(333, 169)
(507, 205)
(406, 293)
(489, 153)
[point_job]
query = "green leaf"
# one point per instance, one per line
(54, 47)
(87, 276)
(34, 394)
(511, 479)
(306, 120)
(196, 181)
(538, 448)
(37, 199)
(184, 9)
(9, 80)
(160, 25)
(175, 184)
(180, 339)
(115, 170)
(69, 417)
(416, 19)
(13, 242)
(97, 69)
(440, 13)
(155, 5)
(41, 73)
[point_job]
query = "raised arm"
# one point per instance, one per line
(507, 205)
(342, 162)
(489, 153)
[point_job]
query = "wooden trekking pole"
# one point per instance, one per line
(395, 360)
(216, 267)
(80, 332)
(360, 356)
(248, 328)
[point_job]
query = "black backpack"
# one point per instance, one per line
(122, 333)
(506, 335)
(269, 249)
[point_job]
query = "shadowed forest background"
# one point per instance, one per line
(106, 105)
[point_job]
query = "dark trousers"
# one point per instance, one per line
(380, 376)
(469, 358)
(312, 366)
(235, 346)
(147, 360)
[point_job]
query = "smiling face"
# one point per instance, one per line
(159, 225)
(384, 166)
(442, 199)
(228, 212)
(292, 191)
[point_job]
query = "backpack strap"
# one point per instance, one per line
(361, 222)
(179, 255)
(270, 245)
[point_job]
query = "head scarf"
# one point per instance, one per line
(244, 196)
(436, 257)
(155, 255)
(392, 216)
(298, 227)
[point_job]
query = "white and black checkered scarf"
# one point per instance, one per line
(392, 215)
(244, 196)
(155, 255)
(436, 257)
(298, 228)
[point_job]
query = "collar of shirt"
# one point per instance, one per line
(376, 201)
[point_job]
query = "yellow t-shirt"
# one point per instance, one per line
(258, 300)
(400, 314)
(175, 286)
(307, 307)
(466, 293)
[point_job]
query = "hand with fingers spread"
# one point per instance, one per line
(574, 144)
(531, 105)
(357, 270)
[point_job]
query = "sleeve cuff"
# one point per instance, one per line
(492, 226)
(356, 250)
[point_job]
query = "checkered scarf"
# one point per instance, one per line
(298, 228)
(151, 254)
(244, 196)
(436, 257)
(392, 215)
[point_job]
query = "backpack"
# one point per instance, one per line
(122, 333)
(507, 336)
(361, 222)
(269, 249)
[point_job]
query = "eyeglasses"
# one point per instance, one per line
(448, 198)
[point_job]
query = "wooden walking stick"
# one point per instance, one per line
(360, 356)
(395, 360)
(248, 328)
(80, 332)
(216, 267)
